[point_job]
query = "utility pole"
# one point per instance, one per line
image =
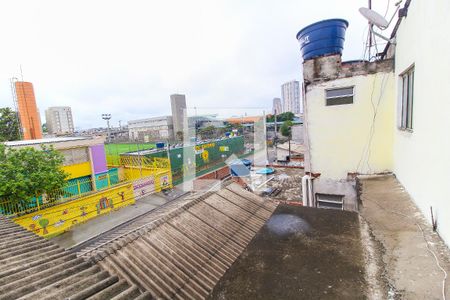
(107, 117)
(265, 138)
(276, 135)
(16, 106)
(195, 124)
(290, 136)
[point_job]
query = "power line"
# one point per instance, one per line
(424, 238)
(367, 148)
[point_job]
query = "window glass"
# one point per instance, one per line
(407, 99)
(339, 96)
(340, 92)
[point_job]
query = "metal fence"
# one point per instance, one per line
(72, 190)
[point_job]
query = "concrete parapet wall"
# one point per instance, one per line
(346, 188)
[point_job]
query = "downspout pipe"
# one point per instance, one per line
(312, 202)
(307, 190)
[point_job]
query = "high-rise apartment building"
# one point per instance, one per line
(276, 106)
(59, 120)
(290, 93)
(30, 121)
(178, 105)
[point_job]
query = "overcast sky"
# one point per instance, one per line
(127, 57)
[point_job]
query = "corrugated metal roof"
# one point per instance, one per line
(44, 141)
(295, 147)
(35, 268)
(183, 255)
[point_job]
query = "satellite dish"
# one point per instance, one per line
(379, 21)
(374, 18)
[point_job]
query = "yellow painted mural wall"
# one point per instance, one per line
(57, 219)
(163, 178)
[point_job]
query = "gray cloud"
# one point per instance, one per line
(127, 57)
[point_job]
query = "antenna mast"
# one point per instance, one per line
(13, 81)
(370, 30)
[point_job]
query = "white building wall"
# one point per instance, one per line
(422, 157)
(346, 139)
(339, 134)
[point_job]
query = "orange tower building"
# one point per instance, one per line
(28, 112)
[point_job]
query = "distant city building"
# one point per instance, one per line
(117, 134)
(290, 93)
(59, 120)
(178, 105)
(277, 107)
(30, 121)
(244, 120)
(151, 129)
(205, 121)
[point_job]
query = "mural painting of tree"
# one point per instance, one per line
(44, 223)
(122, 196)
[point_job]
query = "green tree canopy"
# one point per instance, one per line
(286, 128)
(27, 172)
(179, 135)
(9, 125)
(208, 128)
(286, 116)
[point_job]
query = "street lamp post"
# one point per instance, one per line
(107, 117)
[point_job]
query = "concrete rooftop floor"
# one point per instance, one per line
(300, 253)
(399, 264)
(384, 252)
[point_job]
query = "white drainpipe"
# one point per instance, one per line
(307, 191)
(312, 201)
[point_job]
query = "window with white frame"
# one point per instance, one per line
(407, 96)
(330, 201)
(339, 96)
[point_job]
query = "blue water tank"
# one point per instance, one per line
(322, 38)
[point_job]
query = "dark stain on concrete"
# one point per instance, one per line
(287, 224)
(300, 253)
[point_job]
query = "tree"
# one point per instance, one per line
(286, 116)
(28, 172)
(286, 128)
(9, 125)
(208, 131)
(179, 135)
